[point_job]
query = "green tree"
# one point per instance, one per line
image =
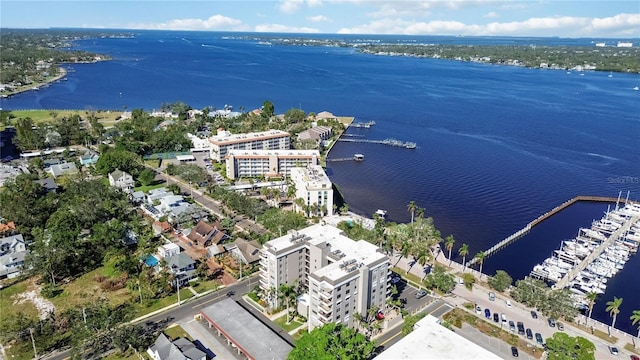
(613, 308)
(480, 257)
(146, 177)
(468, 280)
(635, 319)
(410, 321)
(500, 281)
(440, 279)
(448, 244)
(293, 116)
(591, 297)
(268, 110)
(113, 159)
(564, 347)
(412, 209)
(464, 251)
(332, 341)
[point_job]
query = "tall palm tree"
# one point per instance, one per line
(448, 244)
(422, 258)
(635, 319)
(412, 208)
(480, 256)
(591, 296)
(464, 251)
(613, 308)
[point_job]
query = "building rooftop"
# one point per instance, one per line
(280, 153)
(245, 331)
(313, 177)
(224, 138)
(430, 340)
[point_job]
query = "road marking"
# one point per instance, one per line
(389, 339)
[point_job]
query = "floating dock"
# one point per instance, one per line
(365, 125)
(356, 157)
(525, 230)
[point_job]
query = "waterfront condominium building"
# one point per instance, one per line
(268, 163)
(342, 276)
(264, 140)
(314, 188)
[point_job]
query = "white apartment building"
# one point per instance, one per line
(269, 163)
(342, 276)
(199, 144)
(265, 140)
(314, 187)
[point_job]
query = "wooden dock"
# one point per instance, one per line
(390, 142)
(520, 233)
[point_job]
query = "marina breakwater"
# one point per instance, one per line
(525, 230)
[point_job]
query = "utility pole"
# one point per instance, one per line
(139, 291)
(84, 316)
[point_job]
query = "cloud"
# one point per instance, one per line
(566, 26)
(279, 28)
(290, 6)
(215, 22)
(318, 18)
(314, 3)
(490, 15)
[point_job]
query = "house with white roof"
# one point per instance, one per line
(179, 349)
(13, 251)
(122, 180)
(66, 168)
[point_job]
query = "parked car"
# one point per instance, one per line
(560, 326)
(529, 334)
(534, 314)
(508, 303)
(421, 293)
(520, 328)
(395, 280)
(487, 313)
(492, 296)
(539, 338)
(613, 350)
(635, 357)
(512, 326)
(478, 310)
(496, 317)
(551, 322)
(504, 318)
(514, 351)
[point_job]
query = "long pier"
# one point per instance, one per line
(341, 159)
(391, 142)
(366, 125)
(520, 233)
(569, 276)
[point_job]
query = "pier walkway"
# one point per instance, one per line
(520, 233)
(569, 276)
(365, 125)
(341, 159)
(391, 142)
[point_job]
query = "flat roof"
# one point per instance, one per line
(430, 340)
(245, 331)
(185, 157)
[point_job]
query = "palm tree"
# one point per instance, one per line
(406, 251)
(635, 318)
(480, 256)
(448, 244)
(422, 258)
(412, 209)
(591, 296)
(464, 251)
(613, 308)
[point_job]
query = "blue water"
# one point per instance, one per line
(151, 261)
(497, 145)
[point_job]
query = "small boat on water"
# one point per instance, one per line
(381, 213)
(358, 157)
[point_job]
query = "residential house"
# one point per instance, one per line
(204, 234)
(121, 180)
(182, 266)
(179, 349)
(168, 250)
(248, 252)
(89, 158)
(13, 251)
(48, 184)
(317, 133)
(137, 197)
(62, 169)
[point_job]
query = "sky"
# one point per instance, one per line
(567, 19)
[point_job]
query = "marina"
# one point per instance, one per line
(390, 142)
(585, 263)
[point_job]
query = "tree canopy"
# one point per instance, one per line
(332, 341)
(500, 281)
(564, 347)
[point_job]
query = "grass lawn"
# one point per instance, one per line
(155, 185)
(154, 163)
(175, 332)
(21, 351)
(7, 302)
(128, 355)
(107, 118)
(282, 322)
(410, 277)
(629, 347)
(601, 334)
(142, 309)
(206, 285)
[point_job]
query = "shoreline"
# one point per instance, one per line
(62, 72)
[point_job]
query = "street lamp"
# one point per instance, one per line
(175, 269)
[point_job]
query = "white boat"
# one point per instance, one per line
(381, 213)
(636, 88)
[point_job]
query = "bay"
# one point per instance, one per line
(497, 145)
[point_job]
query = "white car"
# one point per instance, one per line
(508, 303)
(478, 310)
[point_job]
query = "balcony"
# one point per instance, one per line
(324, 306)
